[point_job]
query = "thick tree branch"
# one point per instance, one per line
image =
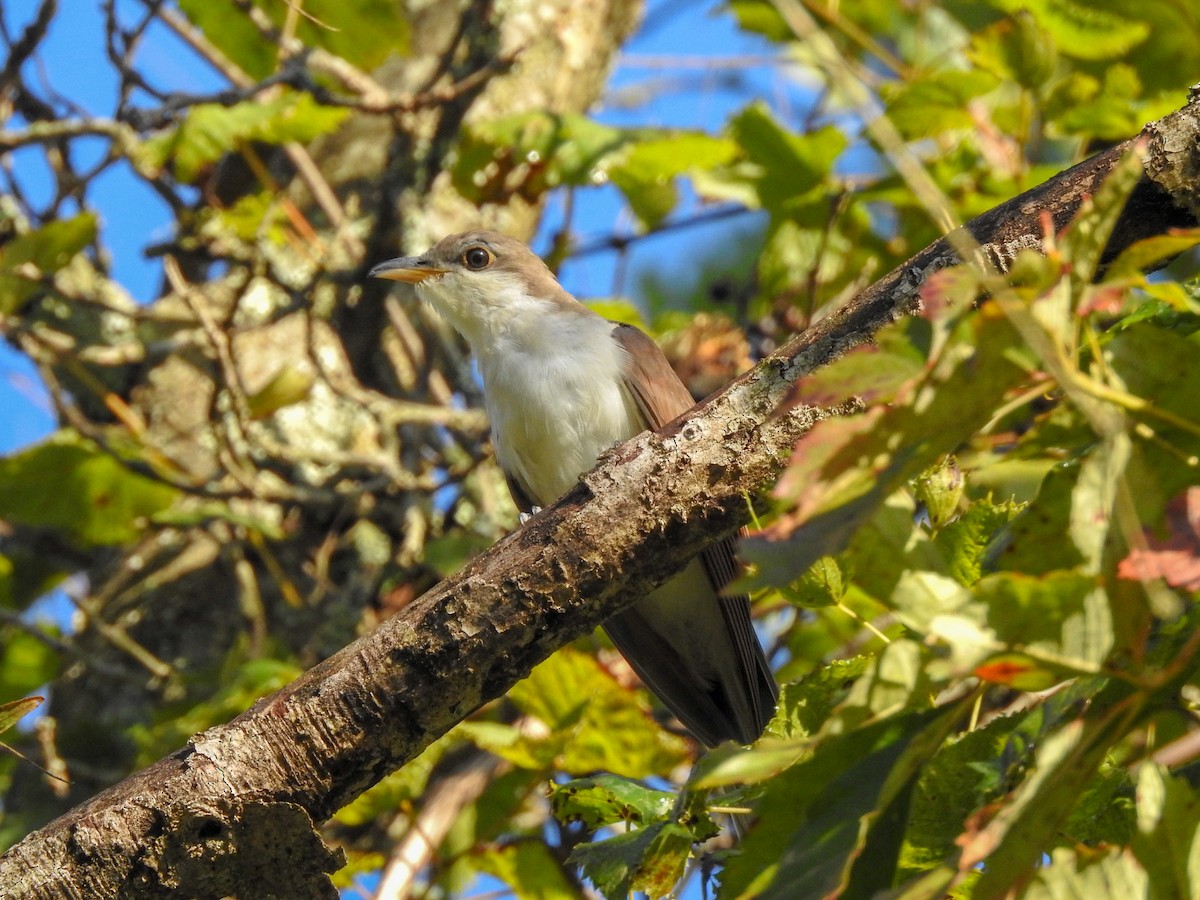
(650, 506)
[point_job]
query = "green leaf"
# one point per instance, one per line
(964, 541)
(1167, 843)
(645, 174)
(291, 384)
(1082, 30)
(209, 130)
(405, 785)
(528, 868)
(1062, 616)
(1012, 843)
(820, 586)
(815, 817)
(363, 32)
(26, 664)
(530, 153)
(595, 724)
(844, 469)
(1016, 48)
(786, 167)
(936, 102)
(1107, 110)
(71, 485)
(1089, 873)
(649, 859)
(805, 705)
(28, 259)
(232, 31)
(249, 681)
(619, 310)
(761, 17)
(1152, 252)
(14, 710)
(969, 772)
(608, 799)
(1033, 543)
(940, 490)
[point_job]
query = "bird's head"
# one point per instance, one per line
(479, 279)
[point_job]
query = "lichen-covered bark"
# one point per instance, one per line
(649, 507)
(189, 609)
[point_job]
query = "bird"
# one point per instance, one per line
(561, 386)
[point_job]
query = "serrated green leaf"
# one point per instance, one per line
(29, 258)
(608, 800)
(1011, 845)
(209, 130)
(844, 469)
(898, 679)
(1033, 542)
(820, 586)
(649, 859)
(964, 541)
(71, 485)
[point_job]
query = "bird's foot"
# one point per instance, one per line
(526, 516)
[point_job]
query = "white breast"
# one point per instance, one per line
(555, 394)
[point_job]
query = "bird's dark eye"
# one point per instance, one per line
(477, 258)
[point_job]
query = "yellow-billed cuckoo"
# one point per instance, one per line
(562, 385)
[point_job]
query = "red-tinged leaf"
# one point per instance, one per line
(1106, 299)
(1176, 558)
(1016, 671)
(815, 455)
(872, 373)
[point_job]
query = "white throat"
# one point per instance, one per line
(553, 381)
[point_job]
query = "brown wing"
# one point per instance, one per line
(661, 397)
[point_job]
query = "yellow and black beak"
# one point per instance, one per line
(413, 269)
